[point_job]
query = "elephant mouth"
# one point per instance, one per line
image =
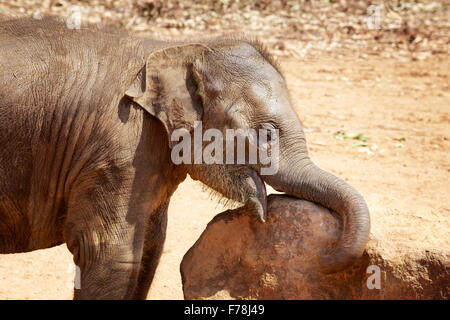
(240, 186)
(260, 185)
(258, 201)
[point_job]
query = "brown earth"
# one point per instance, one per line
(402, 169)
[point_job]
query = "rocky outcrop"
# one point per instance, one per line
(237, 257)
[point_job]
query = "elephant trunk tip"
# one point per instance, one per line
(351, 246)
(337, 260)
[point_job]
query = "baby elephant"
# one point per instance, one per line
(87, 127)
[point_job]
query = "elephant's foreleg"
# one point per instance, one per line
(155, 235)
(106, 237)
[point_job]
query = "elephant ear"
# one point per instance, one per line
(167, 87)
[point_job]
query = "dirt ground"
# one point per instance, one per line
(399, 159)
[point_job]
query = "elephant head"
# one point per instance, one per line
(235, 84)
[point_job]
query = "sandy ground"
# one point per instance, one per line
(403, 108)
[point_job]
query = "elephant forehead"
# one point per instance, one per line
(261, 89)
(268, 92)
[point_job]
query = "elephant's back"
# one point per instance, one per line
(43, 60)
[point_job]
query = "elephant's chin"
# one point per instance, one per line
(240, 184)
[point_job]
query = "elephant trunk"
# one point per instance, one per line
(301, 178)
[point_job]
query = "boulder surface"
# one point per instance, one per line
(238, 257)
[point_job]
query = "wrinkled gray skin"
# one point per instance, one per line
(85, 155)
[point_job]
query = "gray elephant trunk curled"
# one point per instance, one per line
(301, 178)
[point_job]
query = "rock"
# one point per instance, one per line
(240, 258)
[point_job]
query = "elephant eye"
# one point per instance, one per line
(271, 136)
(267, 133)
